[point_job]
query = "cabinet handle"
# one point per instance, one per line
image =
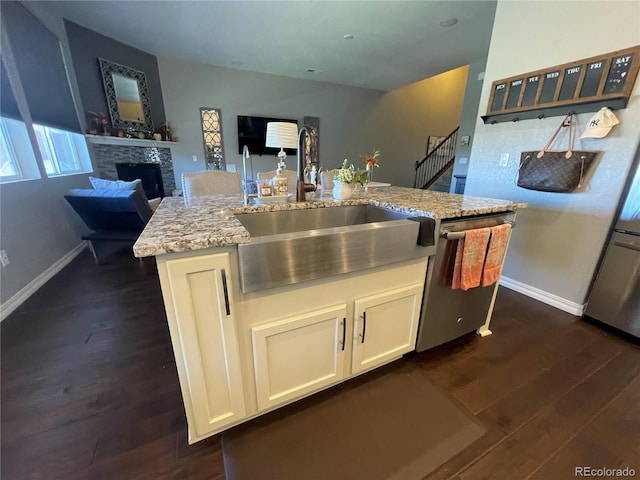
(226, 292)
(344, 332)
(364, 325)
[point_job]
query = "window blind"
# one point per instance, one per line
(38, 59)
(8, 105)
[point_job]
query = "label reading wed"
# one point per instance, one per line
(549, 84)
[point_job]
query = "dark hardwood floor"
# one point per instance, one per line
(90, 389)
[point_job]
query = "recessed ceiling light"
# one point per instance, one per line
(348, 36)
(313, 70)
(450, 22)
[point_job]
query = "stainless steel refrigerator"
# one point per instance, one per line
(615, 297)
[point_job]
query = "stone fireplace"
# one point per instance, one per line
(106, 155)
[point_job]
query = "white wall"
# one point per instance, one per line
(353, 121)
(559, 238)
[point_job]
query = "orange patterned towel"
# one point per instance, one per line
(470, 259)
(457, 265)
(495, 254)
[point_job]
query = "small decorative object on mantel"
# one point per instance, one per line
(165, 131)
(582, 86)
(99, 124)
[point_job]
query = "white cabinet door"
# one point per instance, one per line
(297, 355)
(201, 297)
(385, 326)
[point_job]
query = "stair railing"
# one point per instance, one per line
(437, 161)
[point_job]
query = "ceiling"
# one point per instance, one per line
(394, 42)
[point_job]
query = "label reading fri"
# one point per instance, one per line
(569, 83)
(514, 93)
(592, 79)
(530, 90)
(549, 84)
(618, 73)
(498, 97)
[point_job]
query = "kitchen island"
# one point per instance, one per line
(240, 354)
(205, 222)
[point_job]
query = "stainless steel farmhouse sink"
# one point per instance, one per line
(294, 246)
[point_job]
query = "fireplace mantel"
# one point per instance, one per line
(131, 142)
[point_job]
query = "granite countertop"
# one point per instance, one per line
(203, 222)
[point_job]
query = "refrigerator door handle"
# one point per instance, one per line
(632, 246)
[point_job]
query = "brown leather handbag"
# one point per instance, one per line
(560, 171)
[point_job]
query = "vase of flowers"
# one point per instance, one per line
(342, 191)
(346, 178)
(343, 181)
(370, 161)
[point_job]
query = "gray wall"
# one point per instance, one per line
(353, 121)
(187, 86)
(87, 46)
(37, 227)
(470, 112)
(559, 238)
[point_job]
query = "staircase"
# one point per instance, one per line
(434, 171)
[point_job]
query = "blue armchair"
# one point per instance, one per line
(112, 215)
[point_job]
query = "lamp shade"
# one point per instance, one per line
(282, 135)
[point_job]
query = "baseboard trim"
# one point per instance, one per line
(32, 287)
(545, 297)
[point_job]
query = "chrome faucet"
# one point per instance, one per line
(245, 188)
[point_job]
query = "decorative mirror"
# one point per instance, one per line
(127, 96)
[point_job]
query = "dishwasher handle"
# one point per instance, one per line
(461, 234)
(629, 245)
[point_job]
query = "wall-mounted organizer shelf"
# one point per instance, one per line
(582, 86)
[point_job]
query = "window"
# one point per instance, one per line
(17, 161)
(61, 151)
(9, 166)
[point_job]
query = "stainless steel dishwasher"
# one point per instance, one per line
(446, 313)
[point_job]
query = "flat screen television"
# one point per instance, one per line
(252, 132)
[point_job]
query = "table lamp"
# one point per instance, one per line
(282, 135)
